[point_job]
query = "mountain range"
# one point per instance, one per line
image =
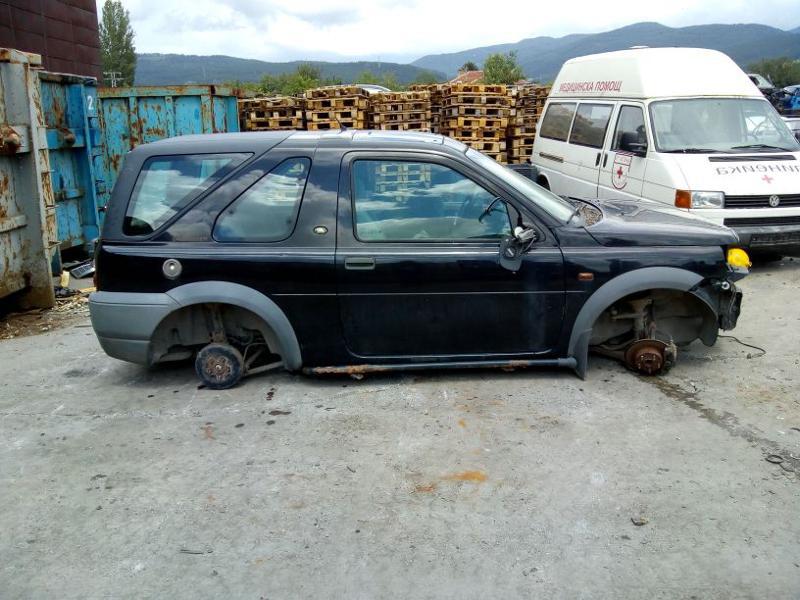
(540, 57)
(179, 69)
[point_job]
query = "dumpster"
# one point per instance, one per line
(69, 105)
(28, 235)
(140, 114)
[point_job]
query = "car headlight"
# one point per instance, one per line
(688, 199)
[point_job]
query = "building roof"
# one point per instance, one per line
(468, 77)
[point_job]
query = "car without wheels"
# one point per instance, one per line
(357, 251)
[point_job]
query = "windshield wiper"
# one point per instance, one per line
(764, 146)
(692, 151)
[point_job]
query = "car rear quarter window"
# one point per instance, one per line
(267, 211)
(557, 121)
(398, 201)
(166, 184)
(591, 122)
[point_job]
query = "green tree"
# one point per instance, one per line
(117, 52)
(781, 71)
(388, 80)
(502, 68)
(468, 66)
(426, 78)
(303, 78)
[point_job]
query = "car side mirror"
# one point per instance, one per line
(629, 142)
(513, 247)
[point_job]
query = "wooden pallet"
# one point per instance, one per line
(335, 91)
(338, 103)
(519, 142)
(340, 124)
(397, 117)
(387, 107)
(476, 99)
(475, 111)
(476, 88)
(422, 126)
(476, 134)
(472, 122)
(336, 115)
(394, 97)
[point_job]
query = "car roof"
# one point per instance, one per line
(261, 141)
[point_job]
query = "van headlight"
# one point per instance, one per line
(688, 199)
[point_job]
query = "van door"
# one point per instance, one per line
(584, 151)
(623, 167)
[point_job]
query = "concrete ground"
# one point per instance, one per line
(119, 482)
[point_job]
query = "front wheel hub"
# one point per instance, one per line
(650, 357)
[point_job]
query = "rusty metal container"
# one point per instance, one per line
(137, 115)
(74, 143)
(28, 232)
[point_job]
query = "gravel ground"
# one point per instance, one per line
(122, 482)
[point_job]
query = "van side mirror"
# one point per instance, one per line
(629, 142)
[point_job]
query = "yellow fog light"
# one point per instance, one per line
(738, 258)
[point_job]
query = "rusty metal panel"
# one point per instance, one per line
(28, 237)
(69, 104)
(137, 115)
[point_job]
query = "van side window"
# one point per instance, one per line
(267, 211)
(630, 128)
(166, 184)
(396, 201)
(591, 122)
(557, 121)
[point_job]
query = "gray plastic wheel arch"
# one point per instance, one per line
(640, 280)
(223, 292)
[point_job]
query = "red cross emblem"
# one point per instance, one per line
(619, 172)
(767, 178)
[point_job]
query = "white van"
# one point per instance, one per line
(681, 126)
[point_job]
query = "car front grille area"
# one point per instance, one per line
(786, 200)
(763, 222)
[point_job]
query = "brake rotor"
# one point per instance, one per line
(648, 357)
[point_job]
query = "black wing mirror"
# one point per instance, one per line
(630, 143)
(514, 246)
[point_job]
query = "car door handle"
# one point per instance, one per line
(359, 263)
(597, 160)
(605, 160)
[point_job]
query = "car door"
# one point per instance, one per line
(624, 163)
(418, 270)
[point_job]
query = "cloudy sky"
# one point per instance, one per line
(403, 30)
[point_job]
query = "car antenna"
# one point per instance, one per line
(339, 123)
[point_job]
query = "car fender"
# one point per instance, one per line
(224, 292)
(640, 280)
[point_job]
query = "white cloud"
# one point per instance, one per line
(407, 29)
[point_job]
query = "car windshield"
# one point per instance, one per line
(719, 125)
(543, 198)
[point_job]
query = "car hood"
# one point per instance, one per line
(743, 174)
(648, 223)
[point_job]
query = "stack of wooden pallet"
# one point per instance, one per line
(277, 112)
(336, 107)
(528, 104)
(435, 92)
(400, 111)
(392, 177)
(477, 114)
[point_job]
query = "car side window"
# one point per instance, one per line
(166, 184)
(630, 128)
(557, 121)
(591, 122)
(267, 210)
(398, 201)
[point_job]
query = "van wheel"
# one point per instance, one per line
(219, 366)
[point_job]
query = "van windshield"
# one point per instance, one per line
(735, 125)
(543, 198)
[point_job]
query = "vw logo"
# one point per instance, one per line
(774, 201)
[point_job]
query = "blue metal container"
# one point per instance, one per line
(137, 115)
(69, 108)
